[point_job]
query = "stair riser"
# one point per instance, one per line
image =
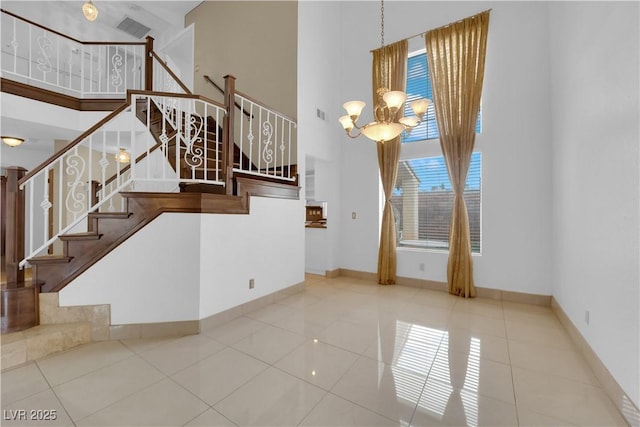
(85, 253)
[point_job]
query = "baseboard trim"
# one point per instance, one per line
(363, 275)
(153, 330)
(617, 395)
(225, 316)
(192, 327)
(332, 274)
(434, 285)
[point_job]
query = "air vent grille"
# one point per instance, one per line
(133, 28)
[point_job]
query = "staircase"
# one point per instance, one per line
(107, 230)
(188, 154)
(192, 146)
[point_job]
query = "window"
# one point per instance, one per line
(419, 86)
(422, 198)
(423, 201)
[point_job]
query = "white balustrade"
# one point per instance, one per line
(266, 139)
(168, 143)
(43, 58)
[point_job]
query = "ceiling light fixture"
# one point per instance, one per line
(12, 141)
(387, 125)
(90, 11)
(122, 156)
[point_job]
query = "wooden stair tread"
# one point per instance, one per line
(50, 259)
(89, 235)
(123, 215)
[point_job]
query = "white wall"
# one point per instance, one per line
(153, 276)
(267, 246)
(596, 203)
(26, 155)
(255, 41)
(515, 143)
(22, 116)
(191, 266)
(321, 140)
(179, 50)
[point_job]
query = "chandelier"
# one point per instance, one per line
(387, 124)
(90, 11)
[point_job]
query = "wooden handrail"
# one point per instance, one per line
(245, 112)
(265, 106)
(171, 73)
(75, 142)
(177, 95)
(214, 84)
(66, 36)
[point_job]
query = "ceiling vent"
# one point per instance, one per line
(133, 28)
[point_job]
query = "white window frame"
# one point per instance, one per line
(431, 148)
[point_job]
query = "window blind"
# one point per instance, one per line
(419, 86)
(423, 202)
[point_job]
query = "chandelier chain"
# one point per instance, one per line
(384, 59)
(388, 105)
(382, 22)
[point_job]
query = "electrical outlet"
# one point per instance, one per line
(422, 266)
(586, 316)
(353, 215)
(252, 283)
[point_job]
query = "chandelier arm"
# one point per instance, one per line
(348, 132)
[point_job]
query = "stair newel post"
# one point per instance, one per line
(15, 228)
(148, 64)
(228, 139)
(19, 303)
(95, 188)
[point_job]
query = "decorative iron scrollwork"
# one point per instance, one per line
(44, 61)
(267, 150)
(76, 197)
(193, 155)
(116, 61)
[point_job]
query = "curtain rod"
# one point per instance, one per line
(442, 26)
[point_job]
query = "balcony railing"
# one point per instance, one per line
(267, 139)
(36, 55)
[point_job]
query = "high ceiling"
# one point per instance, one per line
(66, 16)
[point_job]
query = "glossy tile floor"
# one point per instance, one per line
(344, 352)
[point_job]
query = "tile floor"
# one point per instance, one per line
(342, 353)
